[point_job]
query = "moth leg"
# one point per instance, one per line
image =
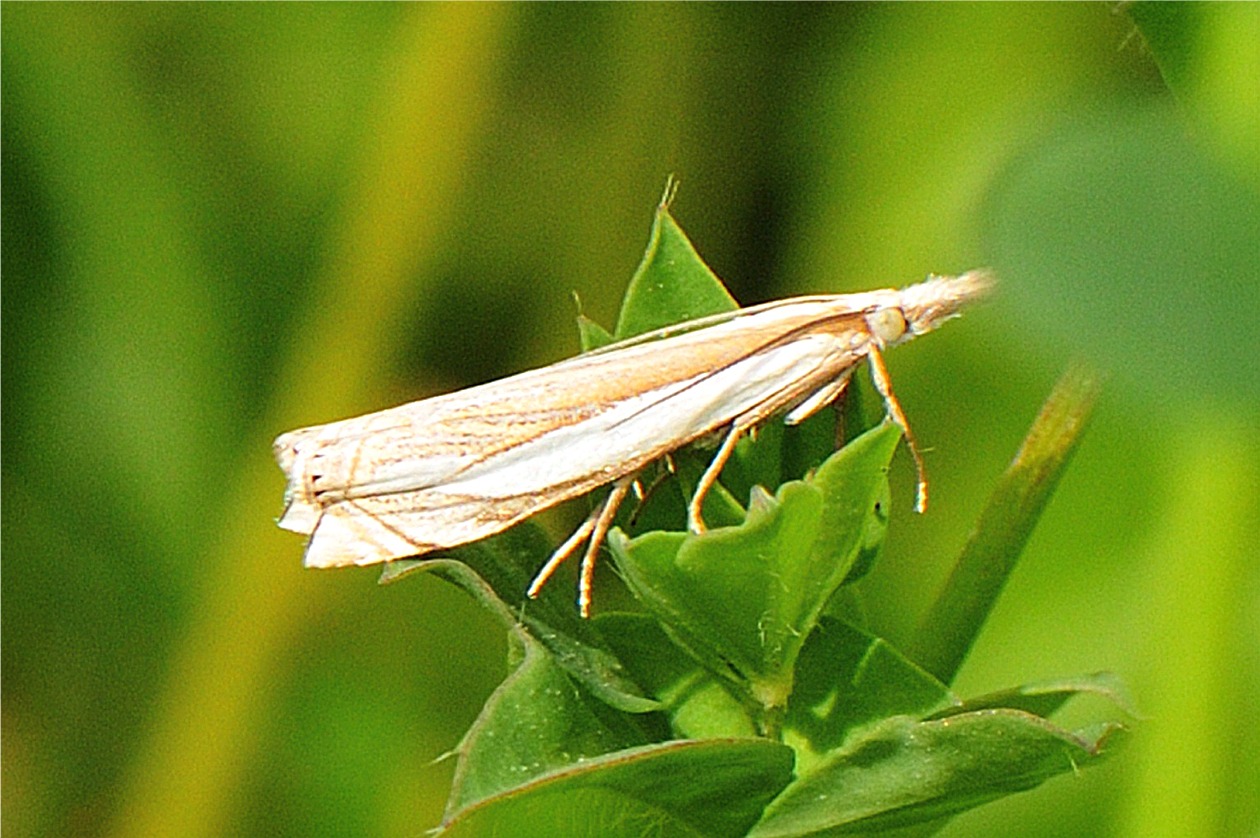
(695, 522)
(820, 398)
(561, 553)
(603, 521)
(643, 493)
(592, 532)
(839, 405)
(879, 376)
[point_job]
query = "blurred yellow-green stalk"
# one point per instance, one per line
(223, 221)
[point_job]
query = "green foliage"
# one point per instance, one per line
(744, 598)
(731, 704)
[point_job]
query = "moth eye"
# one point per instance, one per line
(886, 324)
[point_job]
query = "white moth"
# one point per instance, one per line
(452, 469)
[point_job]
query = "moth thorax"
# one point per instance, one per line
(887, 325)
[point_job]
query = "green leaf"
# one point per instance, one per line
(901, 772)
(855, 513)
(846, 679)
(717, 787)
(591, 334)
(696, 703)
(672, 284)
(1044, 698)
(497, 572)
(875, 529)
(716, 591)
(537, 721)
(743, 599)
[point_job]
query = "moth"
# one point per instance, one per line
(455, 468)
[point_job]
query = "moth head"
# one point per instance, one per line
(930, 303)
(887, 324)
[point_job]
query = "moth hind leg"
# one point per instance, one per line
(592, 531)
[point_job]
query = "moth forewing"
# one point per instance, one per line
(639, 405)
(455, 468)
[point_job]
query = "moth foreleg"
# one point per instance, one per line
(879, 376)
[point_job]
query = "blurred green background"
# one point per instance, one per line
(224, 221)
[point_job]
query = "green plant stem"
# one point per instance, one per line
(954, 621)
